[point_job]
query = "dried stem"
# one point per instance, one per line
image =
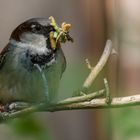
(83, 98)
(96, 70)
(100, 103)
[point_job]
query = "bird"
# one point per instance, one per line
(30, 68)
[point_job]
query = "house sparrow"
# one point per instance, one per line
(30, 68)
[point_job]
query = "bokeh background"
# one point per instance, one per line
(93, 22)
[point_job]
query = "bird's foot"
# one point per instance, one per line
(15, 106)
(2, 108)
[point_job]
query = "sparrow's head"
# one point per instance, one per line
(33, 31)
(34, 37)
(40, 37)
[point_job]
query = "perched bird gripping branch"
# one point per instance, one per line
(32, 63)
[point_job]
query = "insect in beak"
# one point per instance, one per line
(61, 34)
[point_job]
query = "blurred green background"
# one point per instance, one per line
(93, 22)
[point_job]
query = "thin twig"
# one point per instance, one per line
(4, 116)
(88, 64)
(82, 98)
(96, 70)
(108, 96)
(100, 104)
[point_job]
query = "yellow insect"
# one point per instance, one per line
(61, 34)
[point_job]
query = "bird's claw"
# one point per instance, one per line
(18, 106)
(2, 108)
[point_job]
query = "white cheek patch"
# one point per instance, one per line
(39, 49)
(35, 43)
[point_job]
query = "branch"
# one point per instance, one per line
(93, 104)
(82, 98)
(85, 101)
(43, 107)
(80, 102)
(97, 69)
(100, 104)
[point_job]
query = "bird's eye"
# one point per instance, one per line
(33, 26)
(36, 27)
